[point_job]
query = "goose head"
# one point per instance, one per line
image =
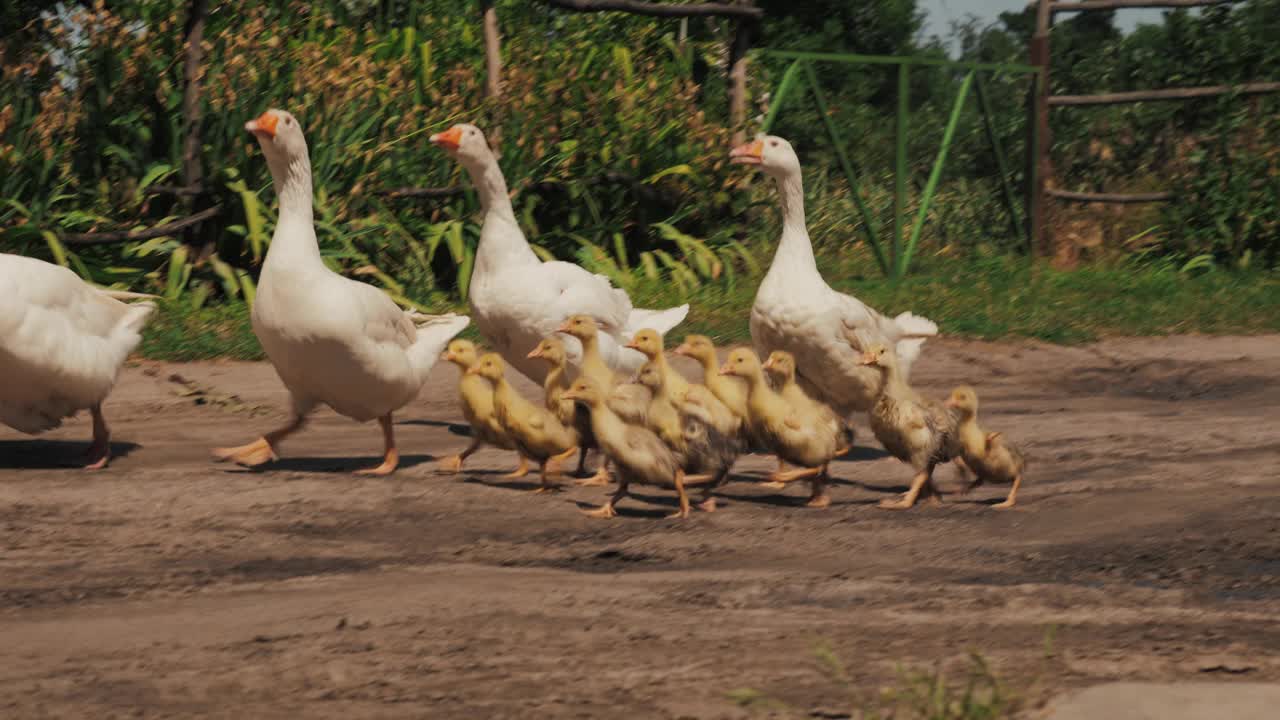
(584, 391)
(551, 350)
(965, 400)
(280, 136)
(770, 153)
(650, 377)
(465, 143)
(462, 353)
(698, 347)
(741, 363)
(583, 327)
(490, 367)
(782, 365)
(648, 342)
(879, 355)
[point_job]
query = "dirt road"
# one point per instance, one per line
(1146, 546)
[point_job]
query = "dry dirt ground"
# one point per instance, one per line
(1146, 546)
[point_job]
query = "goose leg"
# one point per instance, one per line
(791, 475)
(918, 483)
(773, 481)
(607, 510)
(552, 464)
(99, 453)
(601, 477)
(390, 456)
(453, 463)
(261, 450)
(543, 471)
(520, 471)
(819, 497)
(683, 512)
(708, 502)
(1012, 499)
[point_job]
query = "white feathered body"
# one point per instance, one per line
(62, 342)
(339, 342)
(795, 310)
(517, 299)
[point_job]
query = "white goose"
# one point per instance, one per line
(332, 340)
(795, 310)
(62, 342)
(517, 299)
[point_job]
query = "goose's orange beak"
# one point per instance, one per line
(264, 125)
(448, 355)
(867, 359)
(632, 344)
(535, 353)
(768, 364)
(726, 369)
(751, 153)
(473, 370)
(683, 349)
(565, 327)
(449, 139)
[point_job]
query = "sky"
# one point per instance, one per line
(942, 12)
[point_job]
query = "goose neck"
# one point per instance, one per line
(294, 237)
(795, 247)
(502, 243)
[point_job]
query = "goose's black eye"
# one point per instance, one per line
(773, 143)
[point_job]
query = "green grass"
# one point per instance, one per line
(975, 693)
(988, 298)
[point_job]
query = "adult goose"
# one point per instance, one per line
(796, 311)
(517, 299)
(62, 342)
(332, 340)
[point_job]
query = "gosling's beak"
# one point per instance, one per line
(473, 370)
(726, 369)
(264, 126)
(448, 356)
(535, 353)
(951, 403)
(751, 153)
(569, 395)
(867, 359)
(632, 345)
(449, 139)
(564, 327)
(768, 364)
(683, 349)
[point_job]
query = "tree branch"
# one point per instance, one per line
(653, 9)
(117, 236)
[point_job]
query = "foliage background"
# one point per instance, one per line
(614, 137)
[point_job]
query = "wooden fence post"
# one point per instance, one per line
(1038, 132)
(738, 78)
(192, 170)
(493, 67)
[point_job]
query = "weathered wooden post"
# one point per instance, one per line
(192, 170)
(738, 76)
(1041, 166)
(493, 67)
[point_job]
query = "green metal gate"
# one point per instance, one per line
(898, 260)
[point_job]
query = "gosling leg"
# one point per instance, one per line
(519, 472)
(683, 512)
(601, 477)
(818, 496)
(1013, 494)
(909, 499)
(607, 510)
(453, 463)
